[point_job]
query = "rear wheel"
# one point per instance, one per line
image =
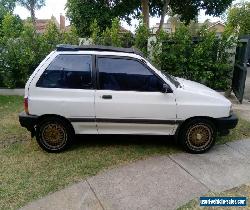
(197, 135)
(54, 134)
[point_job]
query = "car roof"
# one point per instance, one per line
(99, 48)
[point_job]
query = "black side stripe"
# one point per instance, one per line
(81, 119)
(137, 121)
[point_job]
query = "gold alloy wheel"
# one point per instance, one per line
(54, 135)
(199, 136)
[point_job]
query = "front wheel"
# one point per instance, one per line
(197, 135)
(54, 134)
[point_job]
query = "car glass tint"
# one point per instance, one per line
(68, 71)
(126, 75)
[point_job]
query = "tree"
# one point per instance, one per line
(163, 13)
(141, 40)
(82, 13)
(32, 6)
(111, 36)
(145, 12)
(238, 19)
(188, 10)
(8, 5)
(11, 26)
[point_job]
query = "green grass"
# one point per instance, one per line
(242, 131)
(241, 191)
(28, 173)
(10, 130)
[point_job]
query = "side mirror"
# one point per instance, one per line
(166, 88)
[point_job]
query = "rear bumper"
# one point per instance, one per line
(28, 121)
(226, 123)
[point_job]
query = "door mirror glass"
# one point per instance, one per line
(166, 88)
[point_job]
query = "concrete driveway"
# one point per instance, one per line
(164, 182)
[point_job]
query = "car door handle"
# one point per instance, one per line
(107, 96)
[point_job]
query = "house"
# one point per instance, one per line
(218, 27)
(41, 24)
(167, 27)
(170, 26)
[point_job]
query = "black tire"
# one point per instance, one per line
(54, 134)
(197, 135)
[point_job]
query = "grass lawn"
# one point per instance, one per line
(28, 173)
(241, 191)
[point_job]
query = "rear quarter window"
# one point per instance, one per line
(69, 72)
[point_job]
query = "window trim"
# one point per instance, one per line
(93, 72)
(125, 58)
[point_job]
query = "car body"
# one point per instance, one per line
(106, 90)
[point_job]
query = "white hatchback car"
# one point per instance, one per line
(106, 90)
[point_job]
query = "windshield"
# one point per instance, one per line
(169, 77)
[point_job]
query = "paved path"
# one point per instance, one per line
(10, 92)
(163, 182)
(247, 86)
(242, 110)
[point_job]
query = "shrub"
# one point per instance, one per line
(70, 37)
(111, 36)
(141, 38)
(9, 46)
(22, 49)
(20, 57)
(171, 51)
(127, 39)
(205, 59)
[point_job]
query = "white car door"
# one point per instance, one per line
(65, 88)
(129, 99)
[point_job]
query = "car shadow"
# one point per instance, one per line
(125, 140)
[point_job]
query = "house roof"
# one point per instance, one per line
(124, 30)
(210, 25)
(41, 24)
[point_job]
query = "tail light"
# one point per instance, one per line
(26, 105)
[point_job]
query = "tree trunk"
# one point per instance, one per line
(32, 11)
(145, 12)
(33, 17)
(163, 14)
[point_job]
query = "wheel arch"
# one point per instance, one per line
(182, 124)
(47, 116)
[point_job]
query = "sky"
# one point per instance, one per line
(57, 7)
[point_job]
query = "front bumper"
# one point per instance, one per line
(28, 121)
(225, 123)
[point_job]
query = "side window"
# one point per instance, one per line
(68, 71)
(125, 74)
